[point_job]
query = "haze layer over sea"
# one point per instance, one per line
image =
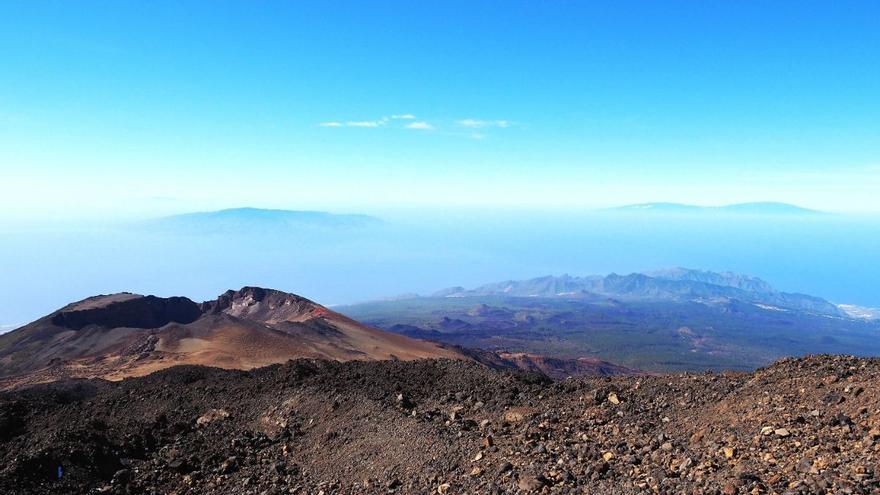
(46, 266)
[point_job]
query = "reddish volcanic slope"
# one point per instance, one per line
(121, 335)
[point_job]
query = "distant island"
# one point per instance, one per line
(247, 218)
(759, 208)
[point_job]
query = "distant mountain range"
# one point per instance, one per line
(673, 285)
(256, 219)
(677, 319)
(759, 208)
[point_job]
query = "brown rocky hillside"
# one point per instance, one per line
(809, 425)
(123, 335)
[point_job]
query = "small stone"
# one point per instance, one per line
(180, 465)
(505, 467)
(684, 465)
(488, 441)
(804, 466)
(781, 432)
(121, 477)
(766, 430)
(612, 398)
(476, 472)
(228, 465)
(517, 414)
(444, 488)
(405, 402)
(455, 413)
(607, 456)
(530, 484)
(729, 452)
(211, 416)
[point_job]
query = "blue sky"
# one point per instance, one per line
(115, 109)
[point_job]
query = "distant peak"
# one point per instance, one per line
(260, 294)
(754, 208)
(725, 278)
(263, 304)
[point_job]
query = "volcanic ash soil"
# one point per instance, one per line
(810, 425)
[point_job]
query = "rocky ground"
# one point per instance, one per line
(307, 427)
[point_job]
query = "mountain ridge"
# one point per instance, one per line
(676, 320)
(751, 208)
(671, 284)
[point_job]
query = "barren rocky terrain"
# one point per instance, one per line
(809, 425)
(122, 335)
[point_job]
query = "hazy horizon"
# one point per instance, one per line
(830, 256)
(404, 212)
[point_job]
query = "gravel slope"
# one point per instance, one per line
(799, 426)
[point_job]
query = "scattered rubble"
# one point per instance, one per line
(802, 426)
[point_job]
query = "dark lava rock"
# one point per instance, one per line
(373, 427)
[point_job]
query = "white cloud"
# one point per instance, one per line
(368, 123)
(422, 125)
(480, 124)
(473, 128)
(365, 123)
(354, 123)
